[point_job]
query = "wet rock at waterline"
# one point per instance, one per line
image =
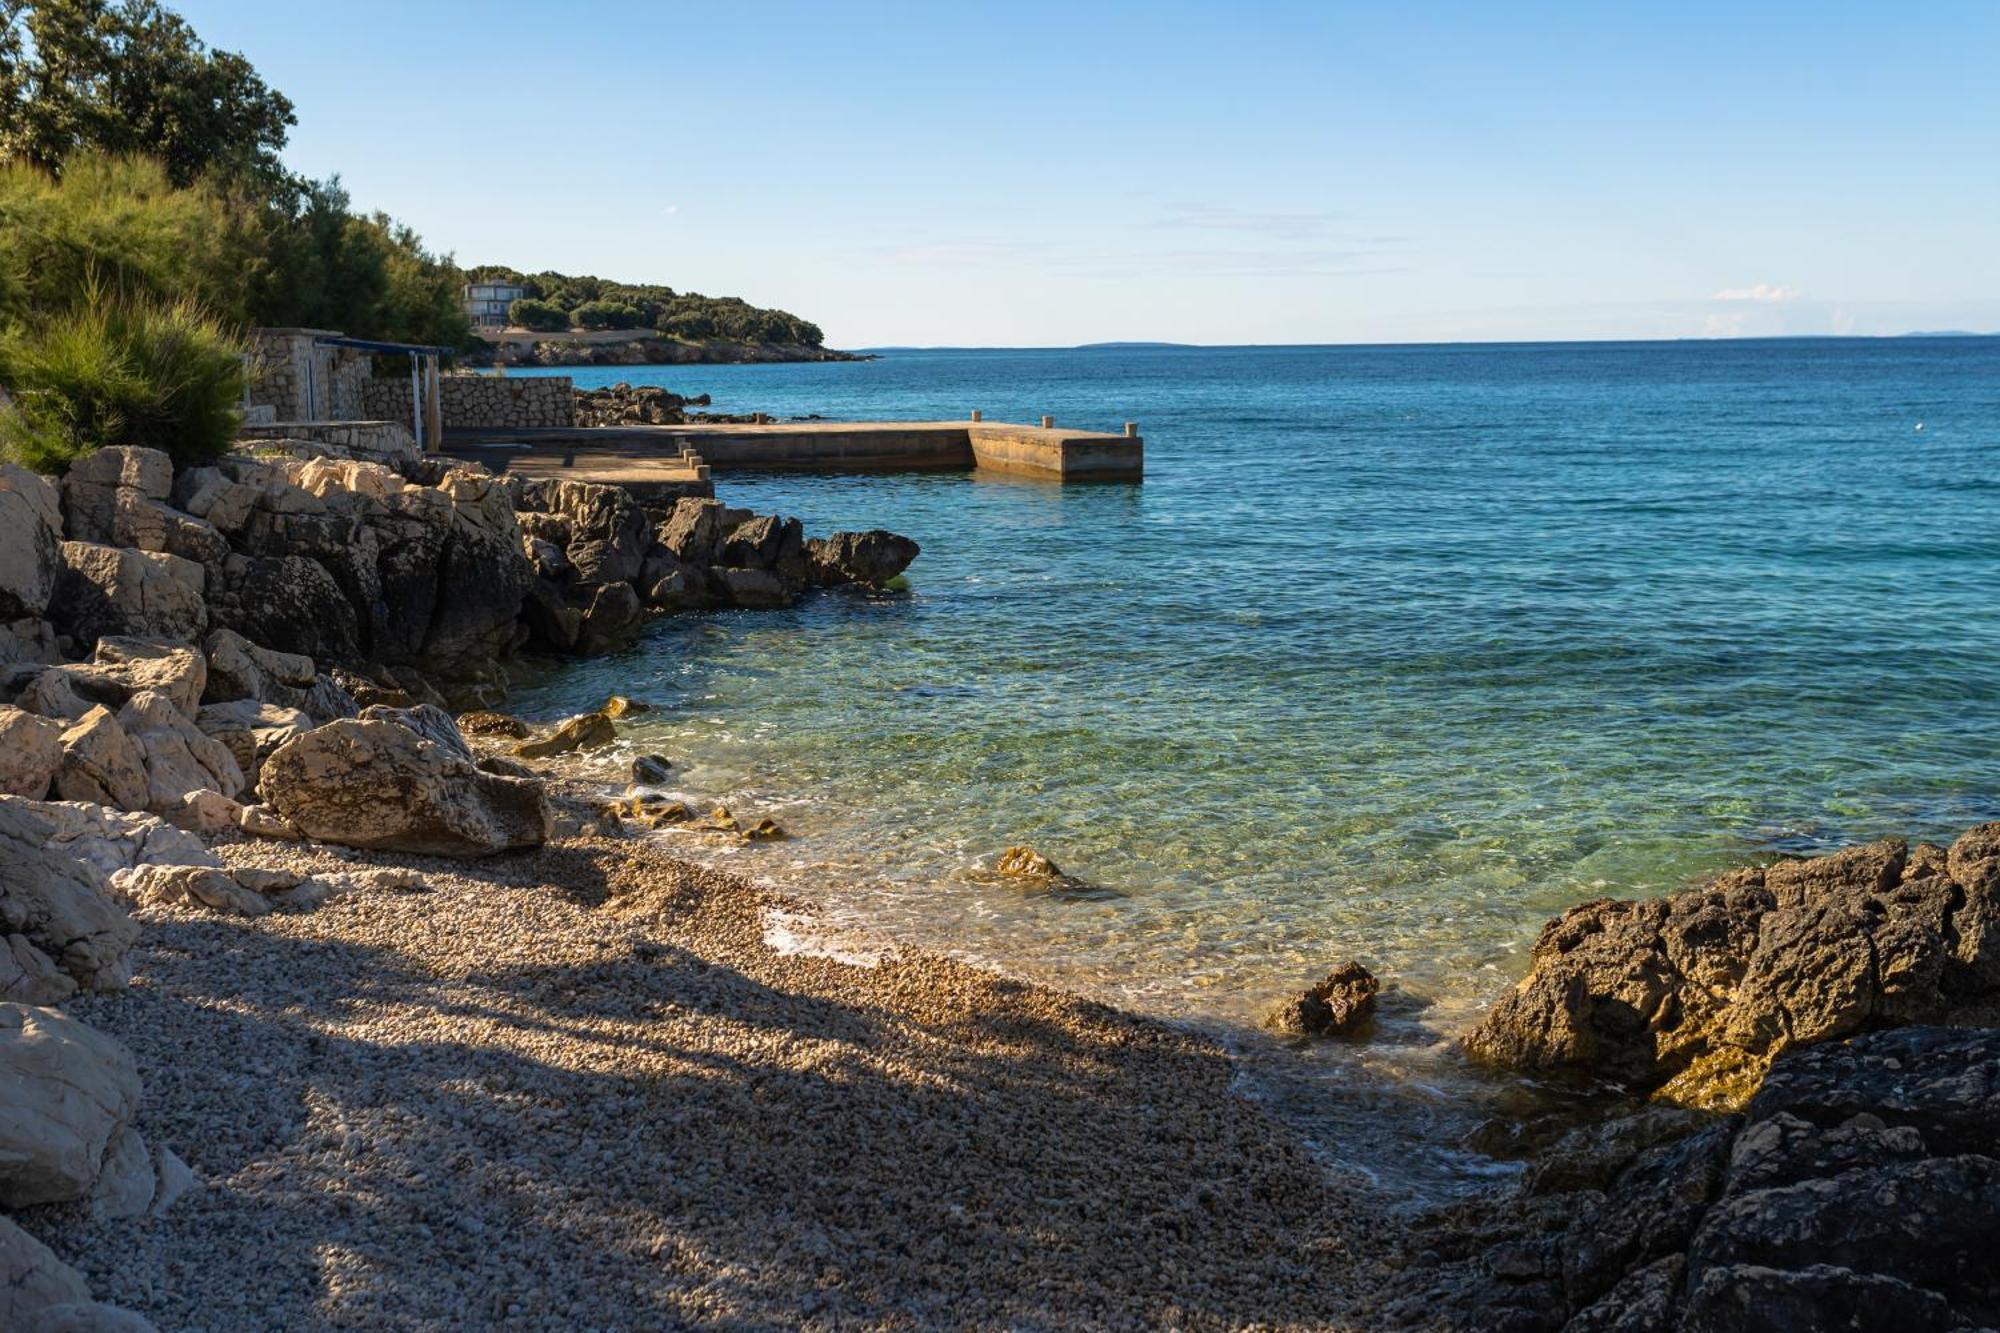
(870, 558)
(652, 769)
(1690, 997)
(1341, 1005)
(585, 731)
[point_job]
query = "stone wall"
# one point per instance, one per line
(293, 379)
(481, 402)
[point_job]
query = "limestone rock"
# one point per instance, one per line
(377, 784)
(694, 530)
(30, 753)
(585, 731)
(250, 730)
(206, 885)
(109, 840)
(173, 669)
(239, 669)
(652, 770)
(870, 558)
(71, 1091)
(755, 588)
(30, 537)
(117, 590)
(61, 928)
(178, 756)
(1339, 1005)
(206, 812)
(1690, 997)
(98, 480)
(32, 1280)
(612, 617)
(100, 763)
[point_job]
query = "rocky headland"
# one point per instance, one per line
(641, 349)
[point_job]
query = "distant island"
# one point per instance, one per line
(556, 319)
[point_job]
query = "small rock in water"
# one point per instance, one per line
(649, 811)
(1026, 863)
(585, 731)
(765, 831)
(619, 706)
(652, 769)
(1336, 1007)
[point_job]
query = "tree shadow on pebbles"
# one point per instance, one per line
(497, 1106)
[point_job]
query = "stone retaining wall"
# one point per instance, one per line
(481, 402)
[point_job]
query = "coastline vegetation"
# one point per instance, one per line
(556, 302)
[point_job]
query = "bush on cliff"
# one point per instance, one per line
(541, 316)
(119, 369)
(606, 315)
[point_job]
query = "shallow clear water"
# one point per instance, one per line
(1395, 653)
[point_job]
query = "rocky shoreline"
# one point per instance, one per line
(323, 1006)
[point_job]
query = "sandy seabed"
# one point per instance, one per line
(578, 1089)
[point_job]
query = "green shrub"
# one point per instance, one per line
(117, 369)
(541, 316)
(606, 315)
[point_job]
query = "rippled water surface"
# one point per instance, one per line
(1395, 653)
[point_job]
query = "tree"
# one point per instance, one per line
(541, 316)
(132, 77)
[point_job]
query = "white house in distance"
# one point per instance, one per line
(486, 302)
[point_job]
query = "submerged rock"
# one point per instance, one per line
(1338, 1006)
(585, 731)
(652, 769)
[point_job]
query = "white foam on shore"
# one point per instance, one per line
(801, 934)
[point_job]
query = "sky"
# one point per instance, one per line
(1029, 174)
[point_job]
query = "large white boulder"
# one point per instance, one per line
(71, 1092)
(30, 752)
(401, 780)
(60, 927)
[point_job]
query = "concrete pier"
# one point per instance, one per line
(667, 458)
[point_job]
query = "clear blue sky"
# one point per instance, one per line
(1046, 174)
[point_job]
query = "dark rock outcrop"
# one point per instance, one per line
(1690, 997)
(1340, 1005)
(1860, 1189)
(870, 558)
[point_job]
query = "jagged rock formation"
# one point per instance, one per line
(1690, 997)
(1860, 1189)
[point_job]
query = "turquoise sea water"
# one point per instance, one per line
(1395, 653)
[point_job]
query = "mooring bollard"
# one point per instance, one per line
(1131, 430)
(975, 415)
(1048, 423)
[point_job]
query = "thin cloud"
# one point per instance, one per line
(1277, 226)
(1769, 293)
(670, 210)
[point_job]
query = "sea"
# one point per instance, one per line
(1396, 652)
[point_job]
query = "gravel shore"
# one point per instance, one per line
(577, 1089)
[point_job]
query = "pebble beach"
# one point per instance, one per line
(578, 1087)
